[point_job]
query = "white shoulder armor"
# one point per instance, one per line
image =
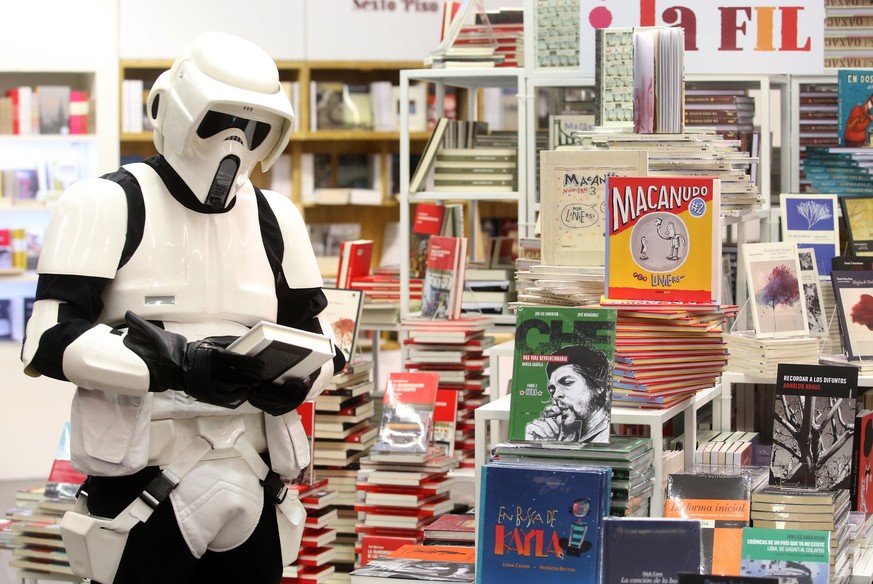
(86, 234)
(299, 263)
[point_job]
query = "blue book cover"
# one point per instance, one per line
(812, 222)
(855, 105)
(650, 550)
(541, 523)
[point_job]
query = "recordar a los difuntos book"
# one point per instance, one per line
(663, 240)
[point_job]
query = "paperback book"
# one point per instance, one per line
(662, 548)
(343, 313)
(407, 412)
(562, 368)
(858, 215)
(816, 317)
(853, 296)
(862, 458)
(444, 277)
(854, 91)
(573, 191)
(788, 554)
(811, 221)
(773, 274)
(663, 240)
(286, 352)
(722, 503)
(813, 426)
(537, 521)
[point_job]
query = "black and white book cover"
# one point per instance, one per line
(813, 426)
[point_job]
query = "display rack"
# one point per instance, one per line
(471, 80)
(498, 411)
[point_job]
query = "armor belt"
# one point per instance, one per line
(214, 437)
(169, 437)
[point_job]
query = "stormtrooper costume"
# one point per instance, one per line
(145, 277)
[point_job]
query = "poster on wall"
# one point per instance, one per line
(728, 36)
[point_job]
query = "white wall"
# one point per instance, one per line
(92, 35)
(319, 30)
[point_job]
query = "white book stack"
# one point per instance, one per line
(761, 356)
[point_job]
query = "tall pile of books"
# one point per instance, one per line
(344, 432)
(808, 509)
(317, 556)
(631, 459)
(455, 351)
(665, 353)
(398, 495)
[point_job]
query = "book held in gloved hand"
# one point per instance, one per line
(286, 352)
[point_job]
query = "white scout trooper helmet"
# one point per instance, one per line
(218, 111)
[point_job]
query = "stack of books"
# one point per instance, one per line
(400, 493)
(317, 556)
(665, 353)
(729, 112)
(488, 290)
(776, 507)
(837, 170)
(339, 444)
(452, 529)
(382, 296)
(479, 169)
(760, 357)
(698, 152)
(455, 351)
(848, 42)
(344, 417)
(553, 285)
(631, 459)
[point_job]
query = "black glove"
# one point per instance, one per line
(203, 369)
(280, 398)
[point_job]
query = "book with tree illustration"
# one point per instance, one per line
(663, 240)
(810, 220)
(813, 426)
(773, 275)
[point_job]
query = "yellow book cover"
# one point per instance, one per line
(663, 240)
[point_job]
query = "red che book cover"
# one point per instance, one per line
(407, 412)
(444, 277)
(663, 240)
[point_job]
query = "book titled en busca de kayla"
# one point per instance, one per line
(663, 238)
(541, 523)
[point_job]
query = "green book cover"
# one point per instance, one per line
(562, 374)
(788, 553)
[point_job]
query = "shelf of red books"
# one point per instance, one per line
(498, 411)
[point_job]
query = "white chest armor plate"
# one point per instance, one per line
(210, 270)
